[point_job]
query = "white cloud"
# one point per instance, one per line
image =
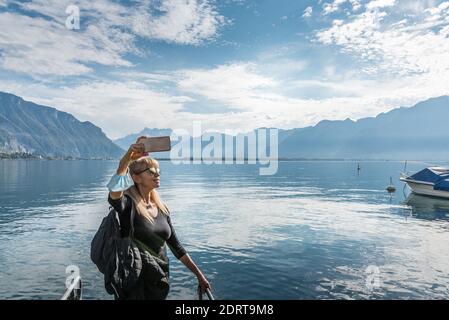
(36, 46)
(282, 67)
(389, 47)
(435, 11)
(380, 4)
(42, 45)
(183, 22)
(308, 12)
(260, 102)
(333, 6)
(355, 5)
(361, 27)
(413, 7)
(226, 83)
(150, 78)
(177, 21)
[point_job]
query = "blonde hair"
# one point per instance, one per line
(136, 167)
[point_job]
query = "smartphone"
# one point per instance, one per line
(157, 144)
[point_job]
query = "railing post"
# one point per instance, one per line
(74, 291)
(209, 294)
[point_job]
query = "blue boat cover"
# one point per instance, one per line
(443, 185)
(438, 176)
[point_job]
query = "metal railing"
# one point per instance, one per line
(74, 291)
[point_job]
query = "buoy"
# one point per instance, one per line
(391, 188)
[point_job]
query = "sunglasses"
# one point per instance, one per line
(152, 171)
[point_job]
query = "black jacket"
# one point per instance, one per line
(132, 270)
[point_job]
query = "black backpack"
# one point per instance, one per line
(118, 258)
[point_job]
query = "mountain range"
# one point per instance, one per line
(415, 133)
(29, 128)
(419, 132)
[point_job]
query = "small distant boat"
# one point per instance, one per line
(391, 188)
(432, 181)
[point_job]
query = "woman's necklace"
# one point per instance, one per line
(150, 207)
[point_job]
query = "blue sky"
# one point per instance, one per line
(234, 65)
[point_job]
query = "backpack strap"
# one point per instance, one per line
(131, 222)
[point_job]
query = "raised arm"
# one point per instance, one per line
(118, 181)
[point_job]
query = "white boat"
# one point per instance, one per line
(432, 181)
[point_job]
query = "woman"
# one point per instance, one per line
(135, 184)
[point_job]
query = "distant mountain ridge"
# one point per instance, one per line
(126, 141)
(420, 132)
(415, 133)
(26, 127)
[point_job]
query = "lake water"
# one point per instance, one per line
(315, 230)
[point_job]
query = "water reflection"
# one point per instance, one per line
(310, 231)
(428, 208)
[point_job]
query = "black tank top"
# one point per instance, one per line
(154, 235)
